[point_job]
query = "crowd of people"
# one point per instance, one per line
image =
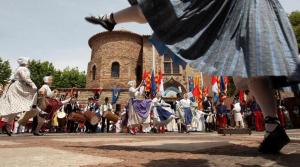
(45, 110)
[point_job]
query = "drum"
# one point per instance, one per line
(77, 117)
(26, 116)
(91, 117)
(61, 118)
(111, 116)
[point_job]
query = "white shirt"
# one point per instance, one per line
(105, 107)
(185, 103)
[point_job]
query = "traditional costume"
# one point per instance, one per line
(20, 96)
(138, 109)
(238, 118)
(221, 116)
(162, 112)
(186, 105)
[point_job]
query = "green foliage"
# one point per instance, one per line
(295, 21)
(40, 69)
(5, 71)
(68, 78)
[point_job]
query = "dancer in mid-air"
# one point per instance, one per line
(250, 40)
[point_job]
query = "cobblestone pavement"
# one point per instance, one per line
(158, 150)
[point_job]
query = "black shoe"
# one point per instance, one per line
(38, 134)
(6, 129)
(275, 141)
(105, 21)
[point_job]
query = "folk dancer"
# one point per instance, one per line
(238, 118)
(20, 96)
(53, 104)
(221, 115)
(225, 38)
(162, 112)
(138, 109)
(186, 105)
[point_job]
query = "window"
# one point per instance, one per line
(115, 70)
(94, 72)
(170, 67)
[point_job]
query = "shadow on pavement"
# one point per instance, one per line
(178, 163)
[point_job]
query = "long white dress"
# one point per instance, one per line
(168, 112)
(20, 95)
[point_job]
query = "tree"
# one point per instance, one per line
(5, 71)
(69, 77)
(40, 69)
(295, 21)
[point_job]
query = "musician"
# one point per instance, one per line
(72, 106)
(105, 107)
(93, 107)
(208, 109)
(19, 96)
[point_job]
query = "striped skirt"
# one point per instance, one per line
(242, 38)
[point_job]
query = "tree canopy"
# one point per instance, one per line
(5, 71)
(295, 21)
(67, 78)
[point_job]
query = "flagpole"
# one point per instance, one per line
(153, 59)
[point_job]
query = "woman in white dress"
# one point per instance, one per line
(186, 105)
(138, 109)
(19, 96)
(238, 118)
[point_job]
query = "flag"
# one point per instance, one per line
(161, 84)
(147, 78)
(241, 96)
(115, 95)
(191, 83)
(215, 88)
(153, 84)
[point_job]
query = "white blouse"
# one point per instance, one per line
(22, 74)
(185, 103)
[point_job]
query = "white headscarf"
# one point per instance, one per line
(131, 83)
(46, 79)
(23, 61)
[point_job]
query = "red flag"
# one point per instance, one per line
(196, 92)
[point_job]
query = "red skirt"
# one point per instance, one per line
(52, 107)
(259, 121)
(222, 121)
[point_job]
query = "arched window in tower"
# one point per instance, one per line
(115, 70)
(94, 72)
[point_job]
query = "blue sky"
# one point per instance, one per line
(55, 31)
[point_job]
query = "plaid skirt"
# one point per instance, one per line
(242, 38)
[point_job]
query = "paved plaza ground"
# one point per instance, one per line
(158, 150)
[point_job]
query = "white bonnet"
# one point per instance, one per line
(23, 60)
(46, 79)
(131, 83)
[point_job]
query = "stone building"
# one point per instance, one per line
(120, 56)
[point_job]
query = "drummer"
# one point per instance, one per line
(105, 108)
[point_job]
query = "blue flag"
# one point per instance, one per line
(153, 84)
(115, 95)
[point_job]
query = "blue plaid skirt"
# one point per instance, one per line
(245, 38)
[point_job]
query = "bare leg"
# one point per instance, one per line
(130, 14)
(276, 137)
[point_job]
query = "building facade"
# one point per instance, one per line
(121, 56)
